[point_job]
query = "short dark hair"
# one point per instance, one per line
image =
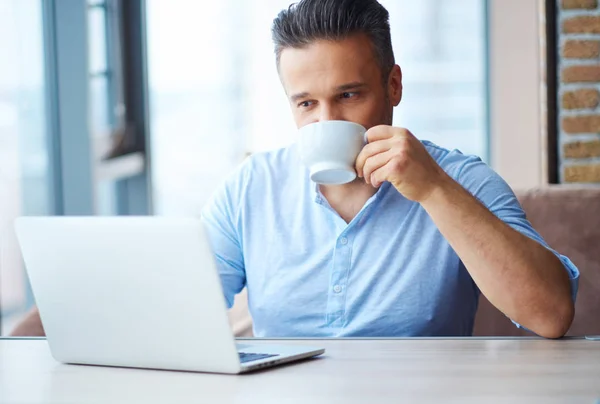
(311, 20)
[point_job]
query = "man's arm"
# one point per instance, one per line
(220, 218)
(519, 276)
(30, 326)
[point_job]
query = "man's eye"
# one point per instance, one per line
(348, 94)
(305, 104)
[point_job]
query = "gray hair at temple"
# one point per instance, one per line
(311, 20)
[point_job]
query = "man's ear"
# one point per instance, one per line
(395, 85)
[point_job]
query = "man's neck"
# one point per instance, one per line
(348, 199)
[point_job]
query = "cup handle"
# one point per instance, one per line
(365, 138)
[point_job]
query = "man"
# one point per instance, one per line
(406, 248)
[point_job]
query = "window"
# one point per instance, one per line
(101, 98)
(24, 165)
(117, 142)
(441, 48)
(62, 98)
(215, 94)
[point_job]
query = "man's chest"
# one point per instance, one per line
(315, 269)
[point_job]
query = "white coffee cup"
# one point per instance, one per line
(329, 150)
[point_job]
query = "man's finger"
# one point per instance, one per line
(375, 162)
(370, 150)
(385, 132)
(379, 132)
(380, 175)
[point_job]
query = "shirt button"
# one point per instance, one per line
(337, 288)
(344, 240)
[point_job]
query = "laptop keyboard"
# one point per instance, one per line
(249, 357)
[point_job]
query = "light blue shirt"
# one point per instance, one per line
(389, 272)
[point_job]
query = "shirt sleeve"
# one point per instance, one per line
(221, 219)
(491, 190)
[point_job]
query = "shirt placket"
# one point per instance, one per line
(338, 287)
(341, 266)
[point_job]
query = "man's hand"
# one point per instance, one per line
(395, 155)
(30, 326)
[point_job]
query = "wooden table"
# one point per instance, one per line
(352, 371)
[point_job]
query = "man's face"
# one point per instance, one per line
(339, 80)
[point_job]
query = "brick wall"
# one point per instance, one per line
(579, 90)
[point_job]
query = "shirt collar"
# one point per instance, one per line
(318, 197)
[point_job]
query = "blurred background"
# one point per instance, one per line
(136, 107)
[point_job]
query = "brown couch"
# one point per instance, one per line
(566, 217)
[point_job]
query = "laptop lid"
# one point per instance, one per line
(128, 291)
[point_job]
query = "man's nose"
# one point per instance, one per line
(330, 113)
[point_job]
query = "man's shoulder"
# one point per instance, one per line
(454, 162)
(473, 174)
(261, 168)
(255, 176)
(274, 161)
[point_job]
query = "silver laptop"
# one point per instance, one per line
(138, 292)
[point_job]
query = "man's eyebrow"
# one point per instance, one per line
(350, 86)
(344, 87)
(298, 96)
